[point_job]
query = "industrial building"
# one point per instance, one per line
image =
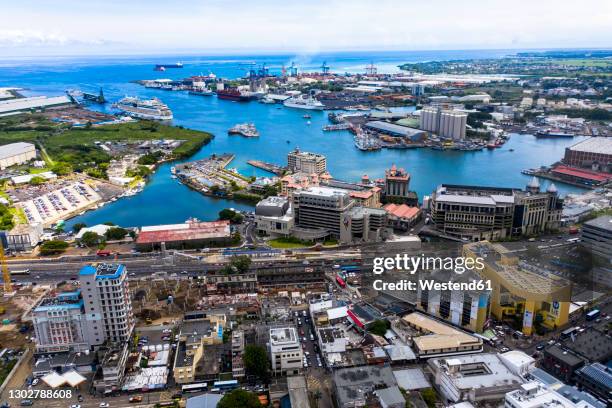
(33, 104)
(285, 351)
(594, 153)
(305, 162)
(192, 234)
(492, 213)
(534, 295)
(445, 123)
(395, 130)
(16, 153)
(477, 378)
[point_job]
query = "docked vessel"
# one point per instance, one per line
(244, 129)
(552, 133)
(267, 100)
(301, 102)
(232, 94)
(201, 92)
(152, 109)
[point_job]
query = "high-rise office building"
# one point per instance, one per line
(107, 304)
(305, 162)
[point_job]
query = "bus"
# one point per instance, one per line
(21, 272)
(568, 332)
(350, 268)
(193, 388)
(593, 314)
(340, 281)
(226, 385)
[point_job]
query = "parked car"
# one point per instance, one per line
(136, 398)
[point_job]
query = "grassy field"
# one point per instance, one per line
(75, 145)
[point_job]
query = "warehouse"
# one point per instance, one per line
(36, 103)
(16, 153)
(395, 130)
(594, 153)
(192, 234)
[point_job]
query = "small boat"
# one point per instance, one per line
(288, 141)
(307, 116)
(511, 150)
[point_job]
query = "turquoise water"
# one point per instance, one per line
(164, 200)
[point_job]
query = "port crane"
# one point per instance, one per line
(325, 68)
(371, 69)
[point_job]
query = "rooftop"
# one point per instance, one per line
(475, 371)
(603, 222)
(13, 149)
(393, 128)
(66, 300)
(103, 270)
(191, 230)
(401, 211)
(601, 145)
(438, 335)
(582, 173)
(282, 335)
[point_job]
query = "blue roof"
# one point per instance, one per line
(106, 274)
(599, 374)
(87, 270)
(575, 395)
(59, 305)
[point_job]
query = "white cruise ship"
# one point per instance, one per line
(302, 102)
(144, 108)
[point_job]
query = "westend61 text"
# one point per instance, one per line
(477, 285)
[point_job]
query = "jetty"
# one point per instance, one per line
(270, 167)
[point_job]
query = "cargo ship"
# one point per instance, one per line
(163, 67)
(144, 108)
(232, 94)
(552, 133)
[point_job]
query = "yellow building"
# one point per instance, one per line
(194, 335)
(520, 289)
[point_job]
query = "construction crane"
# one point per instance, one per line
(6, 275)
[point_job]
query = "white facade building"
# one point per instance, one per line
(285, 351)
(16, 153)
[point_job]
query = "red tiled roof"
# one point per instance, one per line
(582, 173)
(402, 211)
(361, 194)
(184, 232)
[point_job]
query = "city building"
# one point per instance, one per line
(597, 236)
(596, 378)
(192, 234)
(534, 295)
(538, 395)
(477, 378)
(113, 367)
(561, 363)
(397, 183)
(274, 216)
(402, 217)
(433, 338)
(195, 333)
(594, 153)
(449, 124)
(285, 351)
(327, 211)
(60, 324)
(23, 237)
(305, 162)
(16, 153)
(352, 386)
(107, 304)
(518, 362)
(493, 213)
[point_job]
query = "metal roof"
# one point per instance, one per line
(13, 149)
(601, 145)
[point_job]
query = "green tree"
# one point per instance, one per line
(429, 396)
(53, 247)
(256, 362)
(78, 226)
(241, 263)
(115, 233)
(6, 218)
(91, 239)
(62, 168)
(231, 215)
(379, 327)
(239, 398)
(37, 180)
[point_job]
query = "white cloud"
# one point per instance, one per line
(306, 27)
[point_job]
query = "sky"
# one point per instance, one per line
(114, 27)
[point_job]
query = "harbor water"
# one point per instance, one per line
(281, 129)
